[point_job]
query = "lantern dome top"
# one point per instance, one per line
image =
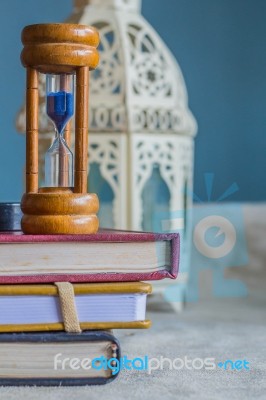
(130, 5)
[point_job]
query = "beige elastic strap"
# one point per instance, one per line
(68, 307)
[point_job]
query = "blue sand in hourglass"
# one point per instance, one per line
(60, 108)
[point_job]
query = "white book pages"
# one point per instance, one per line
(18, 259)
(52, 360)
(90, 308)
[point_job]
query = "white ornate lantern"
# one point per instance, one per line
(141, 130)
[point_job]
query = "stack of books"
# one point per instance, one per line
(61, 296)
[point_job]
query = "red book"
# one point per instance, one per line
(108, 256)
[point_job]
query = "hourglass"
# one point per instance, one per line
(65, 53)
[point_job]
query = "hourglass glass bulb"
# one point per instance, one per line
(60, 109)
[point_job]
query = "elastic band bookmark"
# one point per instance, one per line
(68, 307)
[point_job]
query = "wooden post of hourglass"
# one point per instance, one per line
(81, 133)
(32, 102)
(63, 162)
(67, 133)
(67, 137)
(59, 49)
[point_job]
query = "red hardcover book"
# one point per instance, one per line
(108, 256)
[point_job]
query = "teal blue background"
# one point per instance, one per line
(220, 46)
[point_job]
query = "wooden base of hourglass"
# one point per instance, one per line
(59, 211)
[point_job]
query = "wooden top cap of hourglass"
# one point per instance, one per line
(59, 48)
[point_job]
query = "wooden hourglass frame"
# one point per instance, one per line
(59, 49)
